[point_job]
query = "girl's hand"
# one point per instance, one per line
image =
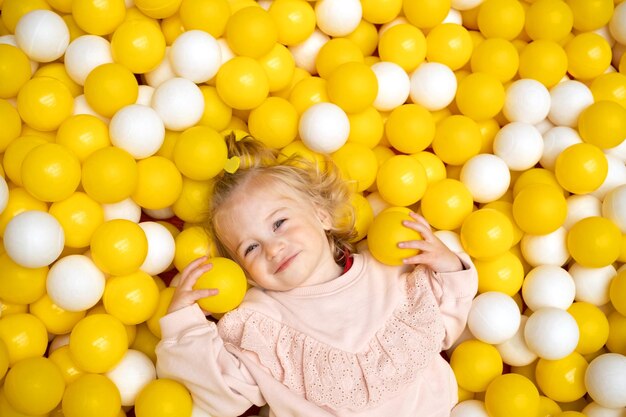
(185, 295)
(433, 252)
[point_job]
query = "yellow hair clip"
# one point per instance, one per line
(232, 164)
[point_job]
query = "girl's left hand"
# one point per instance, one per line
(433, 252)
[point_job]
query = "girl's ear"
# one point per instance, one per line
(324, 217)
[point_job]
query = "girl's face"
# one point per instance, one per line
(277, 237)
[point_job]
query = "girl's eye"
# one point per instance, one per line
(249, 249)
(278, 223)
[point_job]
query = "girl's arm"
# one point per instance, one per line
(191, 352)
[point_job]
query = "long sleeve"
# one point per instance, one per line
(454, 292)
(192, 353)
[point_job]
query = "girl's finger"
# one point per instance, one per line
(188, 279)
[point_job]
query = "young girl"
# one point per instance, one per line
(323, 331)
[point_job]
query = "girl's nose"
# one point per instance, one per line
(274, 247)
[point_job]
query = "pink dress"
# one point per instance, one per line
(367, 343)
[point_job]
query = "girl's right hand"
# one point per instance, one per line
(185, 295)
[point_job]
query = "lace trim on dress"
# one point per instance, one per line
(327, 376)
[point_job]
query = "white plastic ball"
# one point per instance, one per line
(4, 194)
(42, 35)
(384, 27)
(519, 144)
(163, 72)
(605, 380)
(581, 206)
(618, 151)
(393, 85)
(161, 248)
(451, 239)
(569, 99)
(548, 286)
(613, 206)
(225, 52)
(466, 4)
(593, 409)
(179, 102)
(58, 341)
(555, 140)
(486, 176)
(453, 16)
(551, 333)
(526, 100)
(131, 374)
(195, 55)
(433, 85)
(144, 95)
(305, 53)
(126, 209)
(592, 284)
(615, 177)
(544, 125)
(469, 408)
(548, 249)
(377, 202)
(75, 283)
(160, 214)
(324, 127)
(137, 129)
(494, 317)
(85, 53)
(82, 107)
(34, 239)
(617, 24)
(515, 351)
(338, 17)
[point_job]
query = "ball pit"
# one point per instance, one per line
(502, 121)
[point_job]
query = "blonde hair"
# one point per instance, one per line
(320, 183)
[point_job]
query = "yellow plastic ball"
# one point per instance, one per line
(501, 18)
(193, 204)
(539, 209)
(544, 61)
(13, 10)
(365, 36)
(403, 44)
(475, 364)
(21, 285)
(163, 398)
(208, 15)
(274, 122)
(295, 20)
(610, 86)
(11, 122)
(335, 52)
(228, 277)
(139, 45)
(617, 292)
(216, 113)
(19, 200)
(131, 298)
(511, 395)
(433, 165)
(550, 20)
(603, 123)
(536, 176)
(446, 204)
(63, 359)
(401, 180)
(119, 246)
(279, 66)
(363, 215)
(410, 128)
(366, 127)
(486, 233)
(50, 172)
(109, 87)
(381, 11)
(24, 335)
(298, 75)
(496, 56)
(15, 70)
(616, 342)
(503, 273)
(4, 359)
(192, 243)
(159, 183)
(593, 327)
(98, 17)
(251, 32)
(386, 231)
(480, 96)
(98, 342)
(158, 9)
(145, 341)
(309, 91)
(172, 27)
(457, 139)
(83, 134)
(165, 298)
(57, 71)
(15, 154)
(581, 168)
(358, 165)
(449, 44)
(588, 54)
(562, 380)
(426, 13)
(200, 153)
(34, 386)
(353, 86)
(80, 216)
(56, 319)
(590, 14)
(242, 83)
(44, 103)
(91, 395)
(109, 175)
(594, 242)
